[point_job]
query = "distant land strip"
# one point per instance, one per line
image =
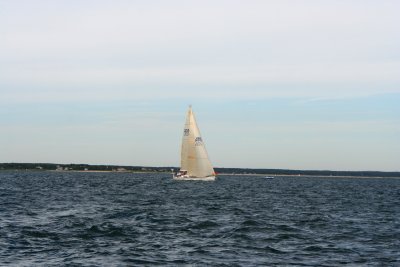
(232, 171)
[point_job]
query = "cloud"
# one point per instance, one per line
(196, 32)
(96, 51)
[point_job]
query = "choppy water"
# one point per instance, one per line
(126, 219)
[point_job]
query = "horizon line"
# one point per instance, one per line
(248, 168)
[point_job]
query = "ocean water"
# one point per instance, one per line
(128, 219)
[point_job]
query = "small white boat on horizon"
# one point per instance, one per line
(195, 163)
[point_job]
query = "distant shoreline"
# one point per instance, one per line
(220, 171)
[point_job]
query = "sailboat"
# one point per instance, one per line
(195, 163)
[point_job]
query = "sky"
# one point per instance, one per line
(274, 84)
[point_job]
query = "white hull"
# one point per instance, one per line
(188, 178)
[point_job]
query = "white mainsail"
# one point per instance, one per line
(194, 157)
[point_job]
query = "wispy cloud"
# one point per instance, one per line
(353, 80)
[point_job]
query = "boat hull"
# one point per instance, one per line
(188, 178)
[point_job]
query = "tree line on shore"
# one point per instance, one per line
(116, 168)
